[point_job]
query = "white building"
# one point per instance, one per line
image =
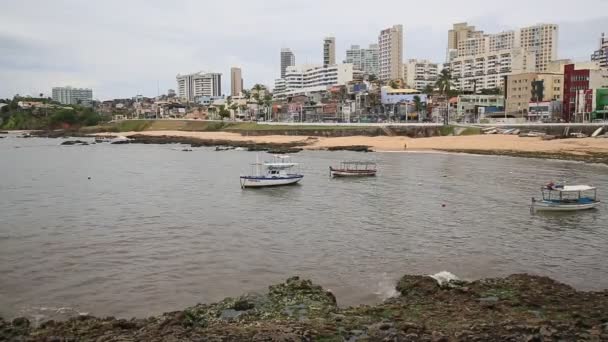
(191, 86)
(418, 73)
(390, 42)
(365, 60)
(541, 40)
(310, 78)
(487, 70)
(69, 95)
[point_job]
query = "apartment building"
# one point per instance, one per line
(287, 59)
(309, 78)
(236, 81)
(72, 96)
(390, 60)
(460, 32)
(601, 54)
(329, 51)
(519, 97)
(365, 60)
(191, 86)
(542, 40)
(419, 73)
(487, 70)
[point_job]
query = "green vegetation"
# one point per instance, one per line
(48, 115)
(446, 130)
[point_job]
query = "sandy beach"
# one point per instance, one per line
(385, 143)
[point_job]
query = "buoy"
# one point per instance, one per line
(89, 177)
(443, 205)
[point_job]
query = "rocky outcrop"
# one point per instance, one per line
(74, 142)
(355, 148)
(516, 308)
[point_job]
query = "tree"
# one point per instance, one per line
(429, 89)
(223, 112)
(393, 84)
(445, 83)
(491, 91)
(418, 104)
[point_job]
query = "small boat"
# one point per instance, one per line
(566, 198)
(354, 169)
(274, 173)
(120, 140)
(597, 132)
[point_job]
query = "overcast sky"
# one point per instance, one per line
(124, 48)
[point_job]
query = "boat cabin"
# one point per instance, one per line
(569, 193)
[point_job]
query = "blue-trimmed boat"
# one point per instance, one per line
(566, 198)
(279, 171)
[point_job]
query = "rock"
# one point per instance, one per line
(417, 285)
(284, 150)
(74, 142)
(21, 322)
(243, 305)
(3, 132)
(355, 148)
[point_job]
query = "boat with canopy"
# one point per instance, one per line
(566, 198)
(279, 171)
(354, 169)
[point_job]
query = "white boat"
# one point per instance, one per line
(566, 198)
(274, 173)
(354, 169)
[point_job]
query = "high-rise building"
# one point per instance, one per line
(419, 73)
(236, 81)
(287, 59)
(329, 51)
(73, 96)
(191, 86)
(487, 70)
(542, 40)
(460, 32)
(365, 60)
(601, 55)
(390, 57)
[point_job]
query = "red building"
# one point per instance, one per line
(579, 87)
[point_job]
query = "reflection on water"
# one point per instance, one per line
(156, 229)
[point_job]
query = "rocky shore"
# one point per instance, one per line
(515, 308)
(587, 157)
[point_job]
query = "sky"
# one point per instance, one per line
(130, 47)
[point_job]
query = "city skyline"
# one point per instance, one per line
(118, 59)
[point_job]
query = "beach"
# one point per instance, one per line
(489, 143)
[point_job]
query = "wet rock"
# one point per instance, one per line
(74, 142)
(355, 148)
(21, 322)
(417, 285)
(243, 305)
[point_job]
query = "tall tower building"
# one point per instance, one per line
(460, 32)
(390, 58)
(191, 86)
(365, 60)
(236, 81)
(329, 51)
(287, 59)
(542, 40)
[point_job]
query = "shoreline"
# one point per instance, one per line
(592, 150)
(433, 308)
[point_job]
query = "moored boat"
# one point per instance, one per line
(277, 172)
(354, 169)
(566, 198)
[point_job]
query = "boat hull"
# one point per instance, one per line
(546, 206)
(261, 182)
(351, 173)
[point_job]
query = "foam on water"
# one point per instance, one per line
(385, 288)
(444, 277)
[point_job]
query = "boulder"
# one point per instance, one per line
(417, 285)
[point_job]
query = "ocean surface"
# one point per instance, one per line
(157, 229)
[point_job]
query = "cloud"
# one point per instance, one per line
(124, 48)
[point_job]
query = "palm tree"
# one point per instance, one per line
(428, 89)
(267, 101)
(445, 82)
